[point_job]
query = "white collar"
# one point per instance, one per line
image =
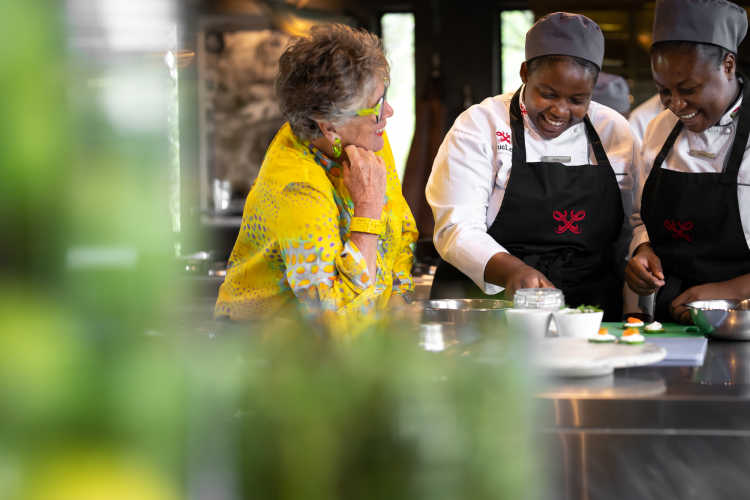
(732, 113)
(714, 142)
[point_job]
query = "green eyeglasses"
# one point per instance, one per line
(376, 110)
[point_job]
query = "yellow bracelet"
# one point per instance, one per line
(366, 225)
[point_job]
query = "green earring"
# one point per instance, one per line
(337, 147)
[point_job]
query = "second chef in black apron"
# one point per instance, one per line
(693, 242)
(528, 188)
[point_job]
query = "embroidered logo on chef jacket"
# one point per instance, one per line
(568, 224)
(679, 229)
(504, 142)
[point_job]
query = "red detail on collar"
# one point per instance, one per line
(568, 224)
(679, 230)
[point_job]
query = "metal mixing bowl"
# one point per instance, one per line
(722, 319)
(463, 311)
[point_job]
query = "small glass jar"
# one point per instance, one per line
(546, 299)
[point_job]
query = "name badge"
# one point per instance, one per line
(701, 154)
(555, 159)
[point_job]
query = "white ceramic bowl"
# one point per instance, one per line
(571, 323)
(531, 322)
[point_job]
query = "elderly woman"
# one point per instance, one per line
(692, 233)
(325, 224)
(528, 187)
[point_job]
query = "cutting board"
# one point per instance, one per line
(575, 357)
(682, 351)
(670, 330)
(685, 345)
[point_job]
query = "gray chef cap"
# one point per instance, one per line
(612, 90)
(717, 22)
(565, 34)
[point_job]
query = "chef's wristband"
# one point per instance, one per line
(366, 225)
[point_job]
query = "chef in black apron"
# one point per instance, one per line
(693, 240)
(560, 214)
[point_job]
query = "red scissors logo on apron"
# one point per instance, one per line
(679, 229)
(568, 224)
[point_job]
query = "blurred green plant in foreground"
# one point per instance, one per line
(104, 396)
(284, 415)
(379, 418)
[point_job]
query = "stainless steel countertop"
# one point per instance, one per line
(715, 395)
(650, 432)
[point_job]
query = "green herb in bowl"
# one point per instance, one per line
(583, 308)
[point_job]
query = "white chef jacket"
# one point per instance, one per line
(642, 115)
(716, 140)
(472, 166)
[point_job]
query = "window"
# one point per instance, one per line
(398, 41)
(513, 27)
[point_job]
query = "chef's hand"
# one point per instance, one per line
(706, 291)
(643, 272)
(364, 175)
(512, 273)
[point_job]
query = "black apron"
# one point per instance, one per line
(693, 219)
(561, 220)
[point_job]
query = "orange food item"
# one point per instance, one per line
(602, 331)
(630, 331)
(633, 320)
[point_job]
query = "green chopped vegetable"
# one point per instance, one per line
(587, 308)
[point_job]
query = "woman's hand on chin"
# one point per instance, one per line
(364, 175)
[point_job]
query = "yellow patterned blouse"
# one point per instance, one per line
(294, 243)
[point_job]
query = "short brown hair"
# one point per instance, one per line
(327, 75)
